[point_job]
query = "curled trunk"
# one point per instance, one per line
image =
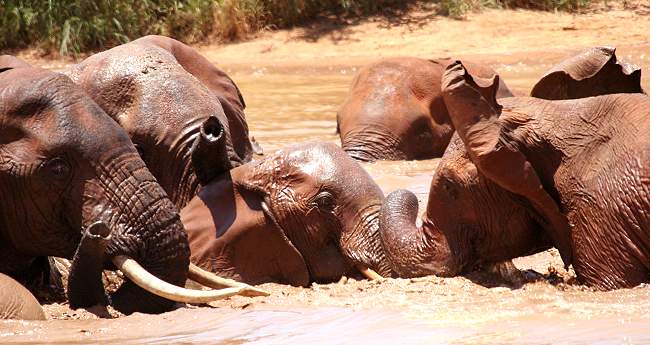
(413, 251)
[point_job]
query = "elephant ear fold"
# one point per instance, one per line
(595, 71)
(475, 114)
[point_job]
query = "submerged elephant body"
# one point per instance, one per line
(395, 111)
(16, 302)
(525, 174)
(162, 92)
(306, 213)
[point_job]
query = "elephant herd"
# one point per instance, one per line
(138, 159)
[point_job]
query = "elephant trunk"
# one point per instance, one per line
(210, 151)
(85, 285)
(369, 144)
(412, 251)
(363, 245)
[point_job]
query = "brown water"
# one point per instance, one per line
(292, 105)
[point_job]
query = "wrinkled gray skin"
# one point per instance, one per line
(16, 302)
(161, 92)
(525, 174)
(305, 213)
(65, 164)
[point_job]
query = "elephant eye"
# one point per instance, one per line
(325, 201)
(57, 169)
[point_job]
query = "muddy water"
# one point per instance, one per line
(292, 105)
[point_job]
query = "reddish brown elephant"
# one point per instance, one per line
(595, 71)
(161, 91)
(73, 185)
(524, 174)
(306, 213)
(16, 302)
(394, 110)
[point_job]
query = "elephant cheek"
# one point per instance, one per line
(327, 264)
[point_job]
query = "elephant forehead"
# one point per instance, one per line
(316, 162)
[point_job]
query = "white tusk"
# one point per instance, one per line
(209, 279)
(368, 273)
(159, 287)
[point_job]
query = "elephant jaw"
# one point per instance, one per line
(414, 251)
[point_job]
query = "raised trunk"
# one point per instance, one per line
(410, 250)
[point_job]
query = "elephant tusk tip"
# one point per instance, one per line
(368, 272)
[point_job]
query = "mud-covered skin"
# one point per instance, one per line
(161, 91)
(16, 302)
(526, 173)
(394, 110)
(595, 71)
(65, 164)
(306, 213)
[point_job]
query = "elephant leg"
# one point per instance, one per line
(85, 285)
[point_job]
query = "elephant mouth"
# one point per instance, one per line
(362, 268)
(268, 213)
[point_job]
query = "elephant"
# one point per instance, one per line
(67, 172)
(161, 91)
(307, 213)
(525, 174)
(595, 71)
(16, 302)
(394, 110)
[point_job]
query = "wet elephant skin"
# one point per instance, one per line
(305, 213)
(65, 164)
(395, 111)
(524, 174)
(161, 91)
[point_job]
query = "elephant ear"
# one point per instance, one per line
(595, 71)
(474, 111)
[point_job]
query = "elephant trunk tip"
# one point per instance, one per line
(212, 130)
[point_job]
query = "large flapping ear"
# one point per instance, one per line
(8, 62)
(475, 114)
(595, 71)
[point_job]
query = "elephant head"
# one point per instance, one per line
(595, 71)
(306, 213)
(395, 110)
(161, 91)
(524, 174)
(67, 168)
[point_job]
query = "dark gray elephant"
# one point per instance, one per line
(525, 174)
(161, 91)
(68, 170)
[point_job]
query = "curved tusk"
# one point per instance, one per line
(368, 273)
(209, 279)
(159, 287)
